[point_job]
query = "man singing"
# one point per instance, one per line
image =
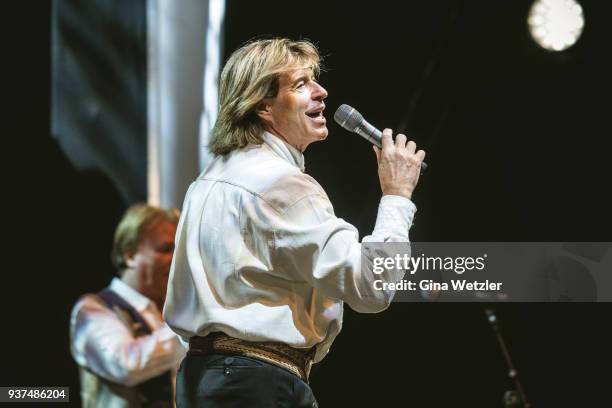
(262, 265)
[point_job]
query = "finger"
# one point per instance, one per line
(400, 141)
(377, 151)
(411, 146)
(387, 139)
(420, 155)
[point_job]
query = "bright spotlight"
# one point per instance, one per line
(555, 24)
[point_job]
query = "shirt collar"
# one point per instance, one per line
(135, 299)
(284, 150)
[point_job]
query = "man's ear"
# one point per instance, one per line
(264, 110)
(128, 258)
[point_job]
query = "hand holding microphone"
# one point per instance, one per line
(399, 164)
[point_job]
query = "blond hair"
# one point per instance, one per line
(250, 75)
(137, 220)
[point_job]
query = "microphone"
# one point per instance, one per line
(351, 120)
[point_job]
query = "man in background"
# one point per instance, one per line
(126, 353)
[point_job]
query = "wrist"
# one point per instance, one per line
(402, 192)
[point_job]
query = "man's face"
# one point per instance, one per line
(152, 260)
(296, 112)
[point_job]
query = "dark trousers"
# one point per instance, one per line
(230, 381)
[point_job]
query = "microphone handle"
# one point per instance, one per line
(374, 136)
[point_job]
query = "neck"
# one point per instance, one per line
(270, 129)
(130, 278)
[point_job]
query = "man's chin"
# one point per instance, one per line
(322, 135)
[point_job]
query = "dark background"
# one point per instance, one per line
(517, 142)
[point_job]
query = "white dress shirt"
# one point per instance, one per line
(102, 343)
(261, 256)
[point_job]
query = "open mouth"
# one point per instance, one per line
(315, 115)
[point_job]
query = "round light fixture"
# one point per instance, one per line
(555, 24)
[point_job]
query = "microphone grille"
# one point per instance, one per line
(348, 117)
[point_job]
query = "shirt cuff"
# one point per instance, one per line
(394, 219)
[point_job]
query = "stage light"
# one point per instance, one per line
(555, 24)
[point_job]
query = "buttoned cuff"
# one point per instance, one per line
(394, 219)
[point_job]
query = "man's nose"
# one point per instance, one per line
(319, 93)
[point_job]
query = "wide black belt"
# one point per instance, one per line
(297, 361)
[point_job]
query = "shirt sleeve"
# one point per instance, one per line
(103, 344)
(316, 246)
(394, 219)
